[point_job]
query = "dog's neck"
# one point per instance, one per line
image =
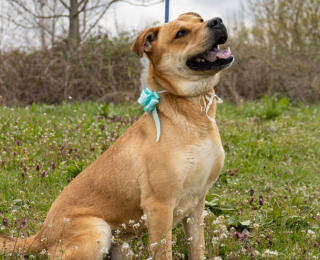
(183, 109)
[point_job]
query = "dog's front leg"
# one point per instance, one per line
(159, 223)
(193, 229)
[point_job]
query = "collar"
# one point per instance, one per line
(149, 101)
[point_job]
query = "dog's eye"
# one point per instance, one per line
(201, 21)
(180, 34)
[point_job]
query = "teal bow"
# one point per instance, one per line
(149, 100)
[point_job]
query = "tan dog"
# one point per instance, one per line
(167, 180)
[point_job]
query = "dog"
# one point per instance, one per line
(164, 182)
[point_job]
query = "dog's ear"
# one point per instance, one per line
(144, 41)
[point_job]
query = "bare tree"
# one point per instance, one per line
(82, 16)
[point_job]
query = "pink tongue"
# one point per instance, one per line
(214, 54)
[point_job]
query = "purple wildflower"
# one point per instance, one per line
(5, 221)
(237, 235)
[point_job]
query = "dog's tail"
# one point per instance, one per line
(23, 246)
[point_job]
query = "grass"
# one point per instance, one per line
(264, 205)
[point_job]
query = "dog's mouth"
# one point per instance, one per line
(212, 59)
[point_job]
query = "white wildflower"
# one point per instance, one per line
(163, 241)
(125, 246)
(311, 233)
(223, 236)
(66, 220)
(104, 251)
(137, 225)
(205, 214)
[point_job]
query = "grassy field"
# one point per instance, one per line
(265, 204)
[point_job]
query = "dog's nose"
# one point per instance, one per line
(215, 23)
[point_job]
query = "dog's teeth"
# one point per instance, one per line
(203, 60)
(198, 59)
(229, 49)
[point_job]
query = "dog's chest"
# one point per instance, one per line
(202, 165)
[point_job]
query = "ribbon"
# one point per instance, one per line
(209, 96)
(149, 100)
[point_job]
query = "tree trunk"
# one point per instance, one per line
(42, 26)
(74, 35)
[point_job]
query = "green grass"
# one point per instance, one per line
(276, 160)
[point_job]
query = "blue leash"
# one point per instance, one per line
(167, 12)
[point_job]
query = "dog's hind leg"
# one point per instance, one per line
(91, 241)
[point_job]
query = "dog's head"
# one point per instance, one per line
(184, 54)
